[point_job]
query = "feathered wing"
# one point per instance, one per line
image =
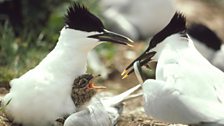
(99, 114)
(80, 118)
(171, 105)
(93, 115)
(160, 102)
(112, 101)
(113, 105)
(35, 89)
(187, 86)
(188, 83)
(102, 111)
(183, 66)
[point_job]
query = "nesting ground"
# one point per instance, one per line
(133, 115)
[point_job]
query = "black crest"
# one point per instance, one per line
(176, 25)
(79, 18)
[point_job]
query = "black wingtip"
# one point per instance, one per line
(78, 17)
(176, 25)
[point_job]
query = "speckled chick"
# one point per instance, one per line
(82, 91)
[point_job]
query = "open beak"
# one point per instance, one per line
(93, 86)
(109, 36)
(142, 60)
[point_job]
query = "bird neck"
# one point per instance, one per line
(65, 61)
(173, 43)
(69, 57)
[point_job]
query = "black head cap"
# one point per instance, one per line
(79, 18)
(176, 25)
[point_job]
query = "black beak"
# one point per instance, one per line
(143, 59)
(109, 36)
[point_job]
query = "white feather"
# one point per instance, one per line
(42, 94)
(187, 89)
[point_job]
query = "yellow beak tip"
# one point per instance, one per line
(125, 76)
(123, 72)
(130, 45)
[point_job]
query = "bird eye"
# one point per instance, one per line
(83, 82)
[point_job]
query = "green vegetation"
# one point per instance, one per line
(17, 54)
(41, 24)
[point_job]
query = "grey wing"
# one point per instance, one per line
(114, 112)
(81, 118)
(99, 114)
(94, 115)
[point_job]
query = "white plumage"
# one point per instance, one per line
(43, 94)
(187, 88)
(144, 18)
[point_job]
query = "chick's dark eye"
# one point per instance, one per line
(83, 82)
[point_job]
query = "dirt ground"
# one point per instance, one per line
(133, 114)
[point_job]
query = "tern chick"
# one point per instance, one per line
(84, 89)
(101, 111)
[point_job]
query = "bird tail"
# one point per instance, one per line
(133, 96)
(115, 100)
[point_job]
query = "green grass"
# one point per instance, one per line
(16, 54)
(21, 53)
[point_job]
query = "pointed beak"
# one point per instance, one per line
(108, 36)
(142, 60)
(93, 86)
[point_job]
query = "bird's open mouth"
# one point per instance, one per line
(93, 86)
(108, 36)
